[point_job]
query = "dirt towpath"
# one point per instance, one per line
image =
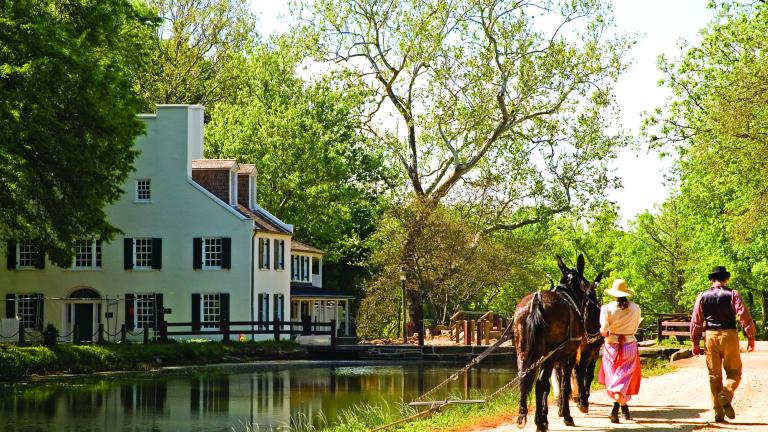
(677, 401)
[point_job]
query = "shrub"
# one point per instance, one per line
(51, 336)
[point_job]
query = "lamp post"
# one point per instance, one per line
(402, 285)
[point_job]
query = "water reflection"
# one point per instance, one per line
(266, 399)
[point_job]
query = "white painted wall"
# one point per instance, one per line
(179, 210)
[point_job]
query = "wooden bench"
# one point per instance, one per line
(677, 325)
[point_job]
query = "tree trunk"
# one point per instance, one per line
(764, 310)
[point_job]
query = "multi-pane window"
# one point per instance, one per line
(210, 309)
(300, 268)
(143, 190)
(88, 254)
(26, 254)
(212, 252)
(26, 310)
(263, 253)
(279, 254)
(142, 251)
(145, 311)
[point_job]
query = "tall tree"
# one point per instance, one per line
(197, 49)
(67, 115)
(717, 122)
(497, 104)
(315, 170)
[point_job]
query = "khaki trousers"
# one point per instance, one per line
(723, 354)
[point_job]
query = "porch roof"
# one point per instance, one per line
(306, 292)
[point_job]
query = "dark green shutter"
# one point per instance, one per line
(10, 305)
(197, 253)
(195, 312)
(226, 253)
(39, 256)
(11, 264)
(159, 310)
(224, 306)
(129, 312)
(128, 253)
(157, 253)
(39, 312)
(261, 253)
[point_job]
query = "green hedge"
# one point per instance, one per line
(19, 362)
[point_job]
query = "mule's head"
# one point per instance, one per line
(573, 279)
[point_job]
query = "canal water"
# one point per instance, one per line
(255, 400)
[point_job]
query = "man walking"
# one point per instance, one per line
(716, 311)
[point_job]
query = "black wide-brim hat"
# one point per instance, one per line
(718, 272)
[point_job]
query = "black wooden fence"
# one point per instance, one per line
(226, 329)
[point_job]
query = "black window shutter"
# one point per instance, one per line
(39, 257)
(261, 307)
(197, 253)
(261, 253)
(129, 312)
(39, 312)
(157, 253)
(10, 305)
(195, 312)
(159, 308)
(226, 253)
(224, 306)
(277, 253)
(127, 253)
(266, 251)
(11, 264)
(282, 254)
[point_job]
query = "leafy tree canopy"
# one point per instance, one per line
(498, 106)
(67, 115)
(198, 45)
(314, 169)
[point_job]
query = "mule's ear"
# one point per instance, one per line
(598, 279)
(561, 264)
(580, 264)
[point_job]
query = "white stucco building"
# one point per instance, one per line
(196, 248)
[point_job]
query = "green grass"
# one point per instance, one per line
(20, 362)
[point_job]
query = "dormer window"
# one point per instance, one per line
(143, 190)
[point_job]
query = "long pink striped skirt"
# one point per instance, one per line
(620, 371)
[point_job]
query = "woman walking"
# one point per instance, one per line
(620, 370)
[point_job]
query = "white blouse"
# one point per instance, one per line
(619, 321)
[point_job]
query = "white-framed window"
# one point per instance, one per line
(263, 253)
(143, 190)
(210, 310)
(27, 309)
(213, 253)
(279, 254)
(300, 268)
(87, 254)
(144, 311)
(142, 253)
(26, 253)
